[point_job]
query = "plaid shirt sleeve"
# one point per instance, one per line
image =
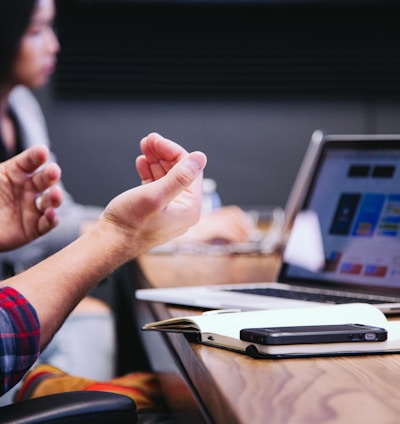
(19, 337)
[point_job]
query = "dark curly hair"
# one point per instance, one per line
(15, 16)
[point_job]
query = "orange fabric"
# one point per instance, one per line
(142, 387)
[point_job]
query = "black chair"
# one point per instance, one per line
(80, 407)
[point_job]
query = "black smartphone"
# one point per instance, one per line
(313, 334)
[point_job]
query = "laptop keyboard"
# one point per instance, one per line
(316, 297)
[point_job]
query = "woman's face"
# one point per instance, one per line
(36, 57)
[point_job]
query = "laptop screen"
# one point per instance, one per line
(354, 196)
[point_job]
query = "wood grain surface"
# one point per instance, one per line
(235, 388)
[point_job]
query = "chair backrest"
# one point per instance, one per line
(80, 407)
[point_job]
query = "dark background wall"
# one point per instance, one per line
(246, 82)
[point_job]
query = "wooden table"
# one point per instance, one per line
(210, 385)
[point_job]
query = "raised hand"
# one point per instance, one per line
(28, 197)
(168, 202)
(132, 223)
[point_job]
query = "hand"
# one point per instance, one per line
(159, 156)
(229, 224)
(165, 206)
(167, 203)
(28, 197)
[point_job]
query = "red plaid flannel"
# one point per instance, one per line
(19, 337)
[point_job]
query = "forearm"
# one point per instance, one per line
(133, 222)
(56, 285)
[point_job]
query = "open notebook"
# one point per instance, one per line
(344, 240)
(223, 330)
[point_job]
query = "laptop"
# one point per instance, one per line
(343, 226)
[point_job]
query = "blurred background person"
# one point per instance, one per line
(28, 57)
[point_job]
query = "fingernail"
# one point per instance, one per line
(199, 160)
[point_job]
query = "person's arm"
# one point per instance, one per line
(228, 224)
(73, 220)
(164, 207)
(19, 337)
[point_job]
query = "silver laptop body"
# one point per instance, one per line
(343, 221)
